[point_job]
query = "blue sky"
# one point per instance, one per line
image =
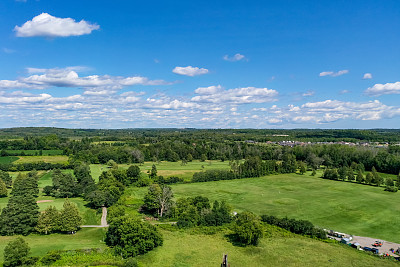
(230, 64)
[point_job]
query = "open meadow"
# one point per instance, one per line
(347, 207)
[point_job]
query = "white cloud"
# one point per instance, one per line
(367, 76)
(208, 90)
(333, 74)
(46, 25)
(236, 57)
(344, 92)
(68, 77)
(384, 89)
(245, 95)
(190, 71)
(8, 51)
(308, 93)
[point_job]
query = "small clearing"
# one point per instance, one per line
(44, 201)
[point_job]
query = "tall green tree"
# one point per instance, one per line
(49, 221)
(15, 252)
(158, 199)
(70, 219)
(133, 174)
(85, 181)
(21, 214)
(360, 176)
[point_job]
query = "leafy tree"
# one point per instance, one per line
(342, 173)
(15, 252)
(3, 189)
(70, 219)
(158, 199)
(111, 163)
(153, 172)
(303, 168)
(121, 176)
(115, 211)
(248, 228)
(133, 174)
(7, 179)
(131, 237)
(389, 182)
(360, 176)
(64, 185)
(350, 174)
(313, 172)
(368, 178)
(203, 157)
(189, 157)
(49, 221)
(398, 180)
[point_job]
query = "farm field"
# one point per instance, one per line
(40, 244)
(167, 169)
(276, 250)
(347, 207)
(8, 159)
(47, 159)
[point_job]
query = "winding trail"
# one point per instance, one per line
(103, 220)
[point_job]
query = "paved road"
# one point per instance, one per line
(368, 241)
(103, 220)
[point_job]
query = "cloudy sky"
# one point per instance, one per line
(201, 64)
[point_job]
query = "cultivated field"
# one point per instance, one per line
(47, 159)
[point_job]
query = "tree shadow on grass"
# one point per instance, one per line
(233, 238)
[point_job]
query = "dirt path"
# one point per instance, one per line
(103, 220)
(43, 201)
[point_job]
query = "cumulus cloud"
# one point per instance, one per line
(384, 89)
(190, 71)
(367, 76)
(236, 57)
(333, 74)
(244, 95)
(69, 77)
(46, 25)
(208, 90)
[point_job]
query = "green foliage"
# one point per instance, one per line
(301, 227)
(109, 190)
(133, 174)
(49, 221)
(131, 237)
(85, 182)
(51, 257)
(153, 172)
(391, 188)
(15, 252)
(158, 199)
(7, 179)
(248, 228)
(64, 185)
(21, 213)
(360, 177)
(115, 211)
(70, 219)
(3, 189)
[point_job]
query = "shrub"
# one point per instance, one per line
(391, 188)
(248, 228)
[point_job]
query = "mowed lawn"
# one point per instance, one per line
(347, 207)
(184, 249)
(40, 244)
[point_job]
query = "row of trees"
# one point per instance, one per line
(371, 178)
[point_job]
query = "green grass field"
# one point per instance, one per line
(185, 249)
(8, 160)
(342, 206)
(48, 159)
(168, 169)
(40, 244)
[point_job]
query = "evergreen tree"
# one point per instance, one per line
(368, 178)
(15, 253)
(21, 213)
(153, 172)
(350, 174)
(49, 221)
(70, 219)
(85, 181)
(7, 179)
(3, 189)
(342, 173)
(360, 176)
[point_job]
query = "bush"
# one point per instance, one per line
(391, 189)
(248, 228)
(131, 237)
(51, 257)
